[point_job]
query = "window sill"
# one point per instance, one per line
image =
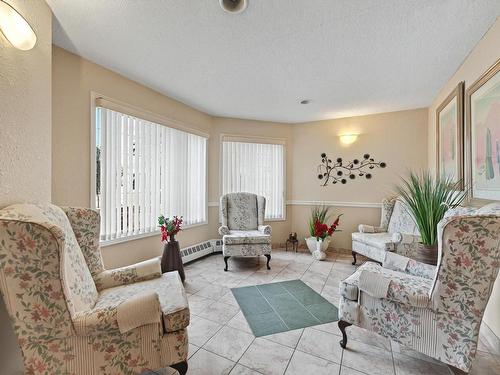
(274, 220)
(144, 235)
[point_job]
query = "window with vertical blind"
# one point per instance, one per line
(144, 169)
(250, 165)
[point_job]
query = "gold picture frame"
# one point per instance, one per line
(483, 131)
(450, 136)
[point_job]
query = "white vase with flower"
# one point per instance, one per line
(320, 232)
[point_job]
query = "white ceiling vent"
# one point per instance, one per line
(233, 6)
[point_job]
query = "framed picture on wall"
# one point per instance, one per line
(483, 135)
(449, 136)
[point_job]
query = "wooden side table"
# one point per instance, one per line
(294, 242)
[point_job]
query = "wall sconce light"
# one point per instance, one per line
(347, 139)
(15, 28)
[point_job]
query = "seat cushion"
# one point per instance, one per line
(382, 241)
(403, 288)
(246, 237)
(173, 299)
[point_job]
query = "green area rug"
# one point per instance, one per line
(283, 306)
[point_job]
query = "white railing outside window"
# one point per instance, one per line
(255, 168)
(143, 170)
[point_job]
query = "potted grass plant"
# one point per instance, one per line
(427, 199)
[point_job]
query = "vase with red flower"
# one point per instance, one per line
(320, 232)
(171, 259)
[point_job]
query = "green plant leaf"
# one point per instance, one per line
(427, 200)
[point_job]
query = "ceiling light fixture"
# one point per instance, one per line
(348, 139)
(233, 6)
(15, 28)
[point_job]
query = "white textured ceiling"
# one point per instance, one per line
(350, 57)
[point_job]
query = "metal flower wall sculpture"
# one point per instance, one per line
(336, 171)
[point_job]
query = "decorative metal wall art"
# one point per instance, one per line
(336, 171)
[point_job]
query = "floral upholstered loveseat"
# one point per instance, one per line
(436, 310)
(397, 233)
(72, 316)
(243, 231)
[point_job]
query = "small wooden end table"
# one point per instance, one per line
(292, 239)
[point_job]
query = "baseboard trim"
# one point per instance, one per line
(205, 248)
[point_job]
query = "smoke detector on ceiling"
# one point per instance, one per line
(233, 6)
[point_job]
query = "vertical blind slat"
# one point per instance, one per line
(147, 169)
(255, 168)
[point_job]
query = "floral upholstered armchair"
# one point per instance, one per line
(72, 316)
(243, 231)
(397, 233)
(436, 310)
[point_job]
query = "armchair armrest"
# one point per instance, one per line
(223, 230)
(410, 291)
(147, 270)
(409, 266)
(265, 229)
(420, 269)
(365, 228)
(137, 311)
(398, 237)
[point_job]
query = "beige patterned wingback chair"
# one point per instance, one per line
(72, 316)
(397, 233)
(436, 310)
(243, 231)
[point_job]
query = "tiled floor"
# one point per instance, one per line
(222, 343)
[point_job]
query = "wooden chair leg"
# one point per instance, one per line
(354, 257)
(342, 326)
(225, 261)
(268, 256)
(181, 367)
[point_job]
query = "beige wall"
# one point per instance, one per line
(485, 54)
(25, 143)
(398, 138)
(25, 117)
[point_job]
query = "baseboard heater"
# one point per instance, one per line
(200, 250)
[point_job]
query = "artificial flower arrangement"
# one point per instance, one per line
(169, 227)
(318, 226)
(321, 230)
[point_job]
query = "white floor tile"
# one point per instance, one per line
(200, 330)
(321, 344)
(267, 357)
(303, 363)
(206, 363)
(230, 343)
